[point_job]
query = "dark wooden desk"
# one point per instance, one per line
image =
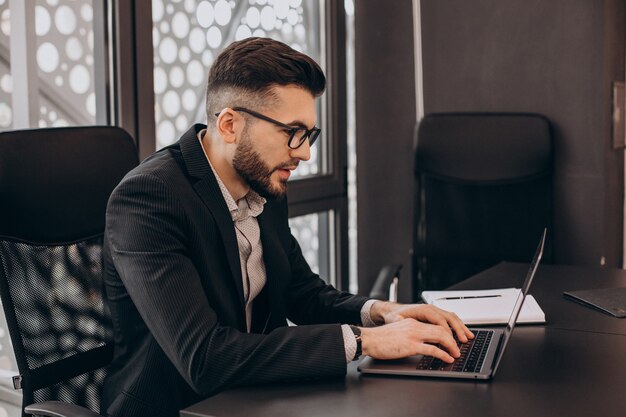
(548, 287)
(572, 366)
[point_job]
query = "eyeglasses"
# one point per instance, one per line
(297, 135)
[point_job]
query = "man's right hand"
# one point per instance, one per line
(408, 337)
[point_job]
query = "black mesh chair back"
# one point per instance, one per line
(483, 193)
(54, 187)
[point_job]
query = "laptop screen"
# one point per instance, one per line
(520, 299)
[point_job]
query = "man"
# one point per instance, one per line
(202, 272)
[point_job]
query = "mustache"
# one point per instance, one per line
(291, 165)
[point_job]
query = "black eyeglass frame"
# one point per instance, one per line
(310, 134)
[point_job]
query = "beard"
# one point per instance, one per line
(248, 164)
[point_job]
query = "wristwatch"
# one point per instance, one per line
(357, 337)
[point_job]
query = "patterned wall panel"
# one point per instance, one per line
(64, 55)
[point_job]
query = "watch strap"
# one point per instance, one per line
(357, 338)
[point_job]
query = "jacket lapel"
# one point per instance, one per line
(277, 270)
(209, 192)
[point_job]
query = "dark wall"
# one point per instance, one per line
(557, 57)
(385, 118)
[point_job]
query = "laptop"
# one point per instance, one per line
(480, 357)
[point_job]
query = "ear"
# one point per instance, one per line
(228, 124)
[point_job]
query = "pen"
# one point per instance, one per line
(469, 296)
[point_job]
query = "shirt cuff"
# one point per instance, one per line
(349, 342)
(366, 318)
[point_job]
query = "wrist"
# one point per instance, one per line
(358, 339)
(379, 310)
(366, 340)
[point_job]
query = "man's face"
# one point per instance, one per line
(263, 158)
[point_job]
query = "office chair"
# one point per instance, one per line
(483, 193)
(386, 283)
(54, 187)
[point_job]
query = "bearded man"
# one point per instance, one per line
(201, 269)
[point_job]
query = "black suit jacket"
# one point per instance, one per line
(174, 290)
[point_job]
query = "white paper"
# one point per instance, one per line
(493, 310)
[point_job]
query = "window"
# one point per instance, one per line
(52, 64)
(311, 229)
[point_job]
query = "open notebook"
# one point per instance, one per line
(477, 307)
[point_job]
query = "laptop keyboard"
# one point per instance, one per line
(473, 355)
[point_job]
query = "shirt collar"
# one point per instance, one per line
(250, 204)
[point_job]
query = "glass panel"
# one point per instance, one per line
(313, 232)
(351, 105)
(188, 35)
(65, 58)
(6, 82)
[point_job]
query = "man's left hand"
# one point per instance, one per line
(385, 312)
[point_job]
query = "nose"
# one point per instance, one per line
(302, 153)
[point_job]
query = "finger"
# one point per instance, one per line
(434, 351)
(459, 328)
(443, 323)
(437, 335)
(450, 345)
(468, 332)
(461, 331)
(437, 317)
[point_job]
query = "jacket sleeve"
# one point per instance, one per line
(308, 298)
(146, 225)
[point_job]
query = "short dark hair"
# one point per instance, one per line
(252, 66)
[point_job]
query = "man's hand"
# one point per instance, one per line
(413, 329)
(385, 313)
(408, 337)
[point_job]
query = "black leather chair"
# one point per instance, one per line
(386, 284)
(54, 187)
(483, 193)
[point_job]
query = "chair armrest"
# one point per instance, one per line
(58, 409)
(388, 275)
